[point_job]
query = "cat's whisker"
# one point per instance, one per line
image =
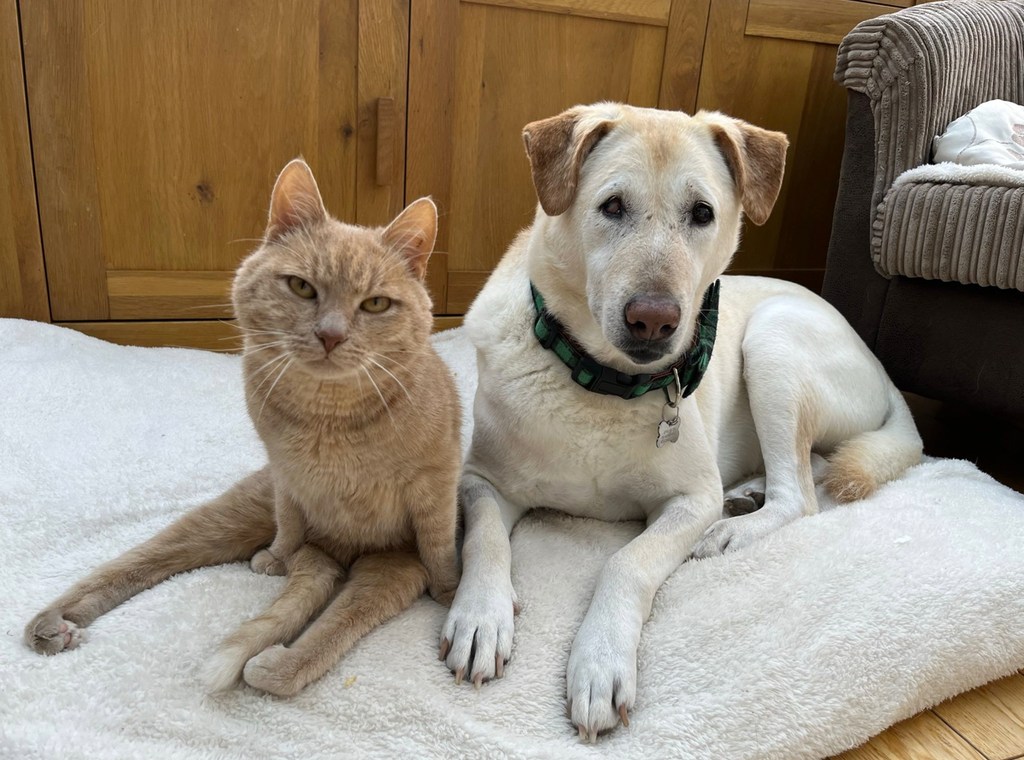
(263, 347)
(382, 399)
(385, 369)
(270, 390)
(269, 372)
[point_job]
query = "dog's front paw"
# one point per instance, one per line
(600, 680)
(476, 640)
(266, 563)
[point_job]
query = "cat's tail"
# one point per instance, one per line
(861, 464)
(311, 580)
(230, 528)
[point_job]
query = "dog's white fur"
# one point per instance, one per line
(788, 376)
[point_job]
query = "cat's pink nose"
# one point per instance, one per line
(331, 338)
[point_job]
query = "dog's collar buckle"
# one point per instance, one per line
(588, 373)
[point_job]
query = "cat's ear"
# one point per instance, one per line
(413, 234)
(295, 201)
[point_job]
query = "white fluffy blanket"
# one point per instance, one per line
(801, 646)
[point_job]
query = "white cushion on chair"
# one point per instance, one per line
(992, 133)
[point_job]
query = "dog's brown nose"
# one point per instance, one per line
(652, 317)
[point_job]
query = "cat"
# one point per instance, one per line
(360, 419)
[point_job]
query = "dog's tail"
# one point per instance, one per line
(861, 464)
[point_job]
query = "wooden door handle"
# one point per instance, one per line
(385, 140)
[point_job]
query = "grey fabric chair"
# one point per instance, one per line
(928, 272)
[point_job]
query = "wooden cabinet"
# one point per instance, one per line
(158, 128)
(141, 137)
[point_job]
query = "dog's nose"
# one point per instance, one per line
(652, 317)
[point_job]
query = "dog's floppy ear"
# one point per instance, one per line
(557, 148)
(757, 160)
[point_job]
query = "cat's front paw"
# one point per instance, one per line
(443, 585)
(275, 671)
(49, 633)
(266, 563)
(442, 595)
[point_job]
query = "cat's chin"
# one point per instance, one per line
(325, 369)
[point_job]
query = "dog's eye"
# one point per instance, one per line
(613, 208)
(701, 214)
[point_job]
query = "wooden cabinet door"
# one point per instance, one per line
(22, 283)
(771, 62)
(158, 129)
(480, 70)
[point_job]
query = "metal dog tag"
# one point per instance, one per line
(668, 428)
(668, 431)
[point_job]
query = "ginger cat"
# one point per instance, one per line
(360, 418)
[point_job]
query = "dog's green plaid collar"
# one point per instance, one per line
(598, 378)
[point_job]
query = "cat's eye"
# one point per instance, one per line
(376, 305)
(301, 288)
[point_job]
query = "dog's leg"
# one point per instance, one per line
(789, 490)
(476, 640)
(601, 675)
(786, 408)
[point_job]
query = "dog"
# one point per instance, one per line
(598, 324)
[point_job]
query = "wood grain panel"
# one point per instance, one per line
(56, 77)
(22, 275)
(159, 127)
(809, 20)
(431, 100)
(472, 92)
(169, 295)
(684, 53)
(806, 219)
(437, 281)
(991, 718)
(764, 81)
(383, 52)
(923, 737)
(654, 12)
(462, 289)
(212, 335)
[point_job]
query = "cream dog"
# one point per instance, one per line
(610, 290)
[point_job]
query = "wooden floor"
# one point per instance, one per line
(987, 723)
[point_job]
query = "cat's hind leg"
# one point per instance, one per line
(379, 587)
(311, 580)
(228, 529)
